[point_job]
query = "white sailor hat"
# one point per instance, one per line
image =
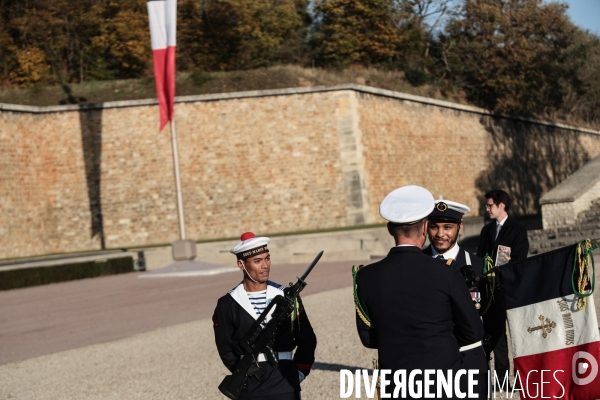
(250, 245)
(406, 205)
(446, 210)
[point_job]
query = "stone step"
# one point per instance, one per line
(545, 246)
(541, 234)
(578, 228)
(588, 216)
(552, 243)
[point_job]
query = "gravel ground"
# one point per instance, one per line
(181, 361)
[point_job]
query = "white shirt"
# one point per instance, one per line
(501, 223)
(452, 253)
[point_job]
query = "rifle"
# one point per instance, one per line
(248, 366)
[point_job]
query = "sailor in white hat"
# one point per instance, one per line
(411, 307)
(445, 225)
(236, 312)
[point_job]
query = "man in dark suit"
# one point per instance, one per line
(413, 308)
(502, 231)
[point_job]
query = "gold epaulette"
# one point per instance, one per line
(359, 308)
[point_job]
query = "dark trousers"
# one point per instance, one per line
(501, 363)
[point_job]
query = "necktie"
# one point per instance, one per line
(498, 227)
(440, 256)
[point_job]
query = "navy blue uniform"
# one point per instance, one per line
(420, 312)
(233, 318)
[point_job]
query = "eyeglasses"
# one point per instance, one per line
(489, 206)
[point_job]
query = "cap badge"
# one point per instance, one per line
(441, 206)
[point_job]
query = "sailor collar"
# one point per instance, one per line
(240, 295)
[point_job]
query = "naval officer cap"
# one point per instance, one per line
(446, 210)
(407, 205)
(250, 245)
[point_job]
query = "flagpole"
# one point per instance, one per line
(177, 179)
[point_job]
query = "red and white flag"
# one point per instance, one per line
(556, 345)
(162, 15)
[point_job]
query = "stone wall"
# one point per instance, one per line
(101, 176)
(561, 205)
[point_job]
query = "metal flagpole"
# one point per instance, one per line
(177, 179)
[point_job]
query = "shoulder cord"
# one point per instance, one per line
(296, 313)
(490, 285)
(581, 264)
(359, 309)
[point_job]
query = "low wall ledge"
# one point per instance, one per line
(575, 185)
(290, 91)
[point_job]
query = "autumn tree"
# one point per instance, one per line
(419, 21)
(121, 48)
(242, 34)
(581, 82)
(509, 54)
(61, 41)
(356, 32)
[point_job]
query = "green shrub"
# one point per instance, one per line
(24, 277)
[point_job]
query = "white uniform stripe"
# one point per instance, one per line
(258, 301)
(162, 16)
(241, 297)
(572, 327)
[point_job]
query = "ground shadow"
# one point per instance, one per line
(91, 139)
(527, 160)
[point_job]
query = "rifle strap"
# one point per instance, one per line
(359, 308)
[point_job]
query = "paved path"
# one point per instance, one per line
(46, 319)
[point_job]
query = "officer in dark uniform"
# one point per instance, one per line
(236, 312)
(411, 307)
(445, 225)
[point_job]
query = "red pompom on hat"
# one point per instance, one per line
(250, 245)
(247, 235)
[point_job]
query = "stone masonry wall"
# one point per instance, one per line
(408, 143)
(566, 213)
(275, 161)
(460, 155)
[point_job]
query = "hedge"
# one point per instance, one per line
(24, 277)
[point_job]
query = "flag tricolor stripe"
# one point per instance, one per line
(162, 16)
(564, 326)
(560, 373)
(548, 332)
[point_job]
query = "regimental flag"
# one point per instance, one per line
(556, 345)
(162, 15)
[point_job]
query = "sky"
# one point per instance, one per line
(585, 14)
